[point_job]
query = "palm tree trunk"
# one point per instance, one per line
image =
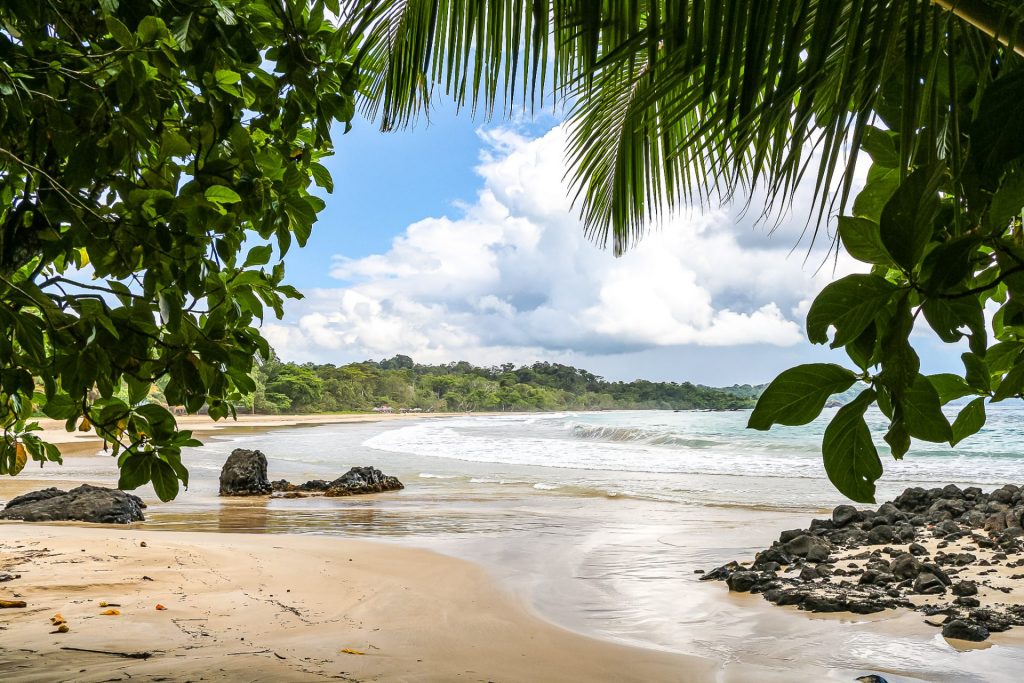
(987, 19)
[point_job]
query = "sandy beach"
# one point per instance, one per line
(281, 609)
(477, 570)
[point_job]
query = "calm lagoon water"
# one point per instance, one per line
(599, 520)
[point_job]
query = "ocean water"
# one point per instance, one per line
(600, 520)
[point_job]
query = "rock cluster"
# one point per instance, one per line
(356, 481)
(945, 552)
(244, 474)
(83, 504)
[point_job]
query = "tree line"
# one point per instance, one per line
(402, 384)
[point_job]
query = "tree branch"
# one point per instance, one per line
(988, 20)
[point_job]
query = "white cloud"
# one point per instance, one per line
(513, 278)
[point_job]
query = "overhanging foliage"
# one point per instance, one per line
(155, 158)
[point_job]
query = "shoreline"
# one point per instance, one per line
(82, 443)
(284, 608)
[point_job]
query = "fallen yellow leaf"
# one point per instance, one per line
(110, 612)
(56, 619)
(350, 651)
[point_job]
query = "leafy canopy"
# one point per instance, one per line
(156, 163)
(944, 240)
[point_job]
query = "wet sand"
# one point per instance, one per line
(282, 608)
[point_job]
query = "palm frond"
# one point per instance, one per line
(691, 101)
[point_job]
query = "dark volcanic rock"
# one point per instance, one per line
(363, 480)
(83, 504)
(905, 566)
(965, 630)
(244, 474)
(845, 514)
(929, 584)
(742, 581)
(865, 561)
(880, 534)
(965, 588)
(312, 486)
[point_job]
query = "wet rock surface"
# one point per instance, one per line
(244, 474)
(83, 504)
(356, 481)
(946, 552)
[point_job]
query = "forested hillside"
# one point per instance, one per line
(402, 384)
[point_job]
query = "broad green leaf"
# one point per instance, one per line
(135, 471)
(119, 31)
(219, 194)
(948, 316)
(880, 145)
(797, 395)
(922, 412)
(61, 407)
(882, 183)
(258, 256)
(165, 480)
(977, 372)
(908, 219)
(851, 459)
(322, 176)
(969, 420)
(863, 240)
(1011, 385)
(950, 387)
(897, 438)
(1002, 356)
(1008, 201)
(848, 304)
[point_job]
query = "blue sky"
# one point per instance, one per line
(455, 241)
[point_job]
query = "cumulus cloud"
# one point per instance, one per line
(512, 277)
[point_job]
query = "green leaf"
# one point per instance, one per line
(258, 256)
(947, 316)
(322, 176)
(1008, 201)
(135, 471)
(797, 395)
(880, 145)
(165, 480)
(922, 412)
(152, 29)
(61, 407)
(848, 304)
(218, 194)
(1011, 385)
(908, 219)
(1002, 356)
(950, 387)
(897, 438)
(969, 420)
(119, 31)
(863, 240)
(882, 183)
(977, 373)
(851, 459)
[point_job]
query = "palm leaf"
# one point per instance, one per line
(691, 101)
